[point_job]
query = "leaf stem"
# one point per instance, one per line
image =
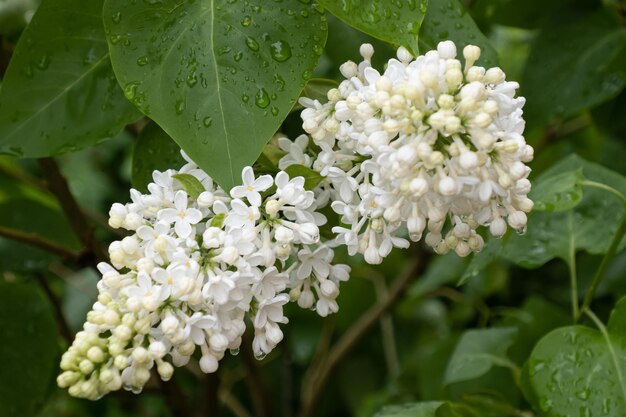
(571, 263)
(597, 278)
(37, 241)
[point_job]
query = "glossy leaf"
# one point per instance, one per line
(311, 178)
(448, 20)
(590, 226)
(477, 352)
(192, 186)
(219, 78)
(568, 69)
(154, 150)
(395, 22)
(559, 192)
(577, 370)
(59, 93)
(28, 351)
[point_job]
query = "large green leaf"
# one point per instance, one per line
(477, 352)
(154, 150)
(28, 351)
(579, 371)
(559, 192)
(59, 93)
(590, 226)
(448, 20)
(568, 69)
(218, 76)
(397, 22)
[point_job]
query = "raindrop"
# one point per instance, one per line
(245, 98)
(262, 99)
(306, 75)
(252, 44)
(280, 51)
(238, 56)
(115, 39)
(223, 50)
(192, 79)
(246, 21)
(130, 90)
(44, 62)
(274, 111)
(234, 352)
(142, 60)
(260, 357)
(180, 106)
(521, 231)
(318, 49)
(116, 17)
(207, 121)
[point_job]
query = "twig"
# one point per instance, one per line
(256, 386)
(57, 184)
(232, 404)
(35, 240)
(64, 328)
(386, 329)
(312, 388)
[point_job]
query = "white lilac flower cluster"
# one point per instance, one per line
(193, 271)
(428, 146)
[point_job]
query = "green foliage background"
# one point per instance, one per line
(113, 88)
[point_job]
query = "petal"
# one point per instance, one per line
(193, 216)
(263, 183)
(145, 232)
(238, 191)
(282, 178)
(254, 198)
(180, 200)
(247, 175)
(168, 215)
(305, 270)
(182, 228)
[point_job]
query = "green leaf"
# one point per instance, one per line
(394, 22)
(311, 178)
(528, 14)
(482, 259)
(568, 69)
(589, 226)
(316, 89)
(154, 150)
(577, 370)
(190, 184)
(59, 93)
(424, 409)
(448, 20)
(28, 351)
(219, 78)
(559, 192)
(477, 352)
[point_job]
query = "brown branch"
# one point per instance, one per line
(57, 184)
(256, 386)
(37, 241)
(313, 387)
(64, 328)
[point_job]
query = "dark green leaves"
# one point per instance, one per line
(311, 178)
(192, 186)
(395, 22)
(559, 192)
(577, 370)
(590, 225)
(59, 93)
(448, 20)
(425, 409)
(28, 351)
(154, 150)
(477, 352)
(217, 76)
(569, 67)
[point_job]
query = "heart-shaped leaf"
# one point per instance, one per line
(59, 93)
(577, 370)
(218, 76)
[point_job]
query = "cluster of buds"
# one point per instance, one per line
(430, 146)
